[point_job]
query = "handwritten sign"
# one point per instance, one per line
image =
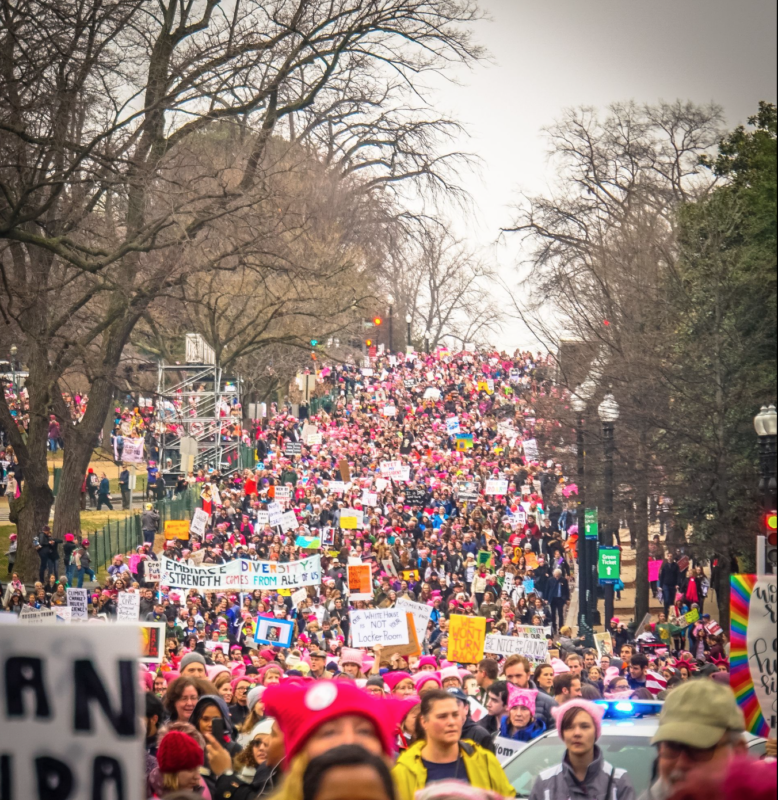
(760, 642)
(466, 639)
(128, 608)
(153, 571)
(77, 600)
(349, 519)
(496, 487)
(199, 521)
(533, 649)
(360, 582)
(177, 529)
(385, 626)
(506, 749)
(420, 612)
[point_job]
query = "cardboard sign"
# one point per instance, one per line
(153, 571)
(466, 639)
(345, 472)
(70, 715)
(349, 519)
(413, 648)
(384, 626)
(420, 612)
(360, 582)
(199, 521)
(128, 608)
(177, 529)
(77, 600)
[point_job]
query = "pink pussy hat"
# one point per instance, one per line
(595, 711)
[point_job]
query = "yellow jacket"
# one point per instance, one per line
(483, 770)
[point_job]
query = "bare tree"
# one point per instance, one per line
(100, 110)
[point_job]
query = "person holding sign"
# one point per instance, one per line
(584, 772)
(520, 723)
(439, 754)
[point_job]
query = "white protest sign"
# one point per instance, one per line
(432, 393)
(30, 616)
(496, 487)
(77, 600)
(507, 585)
(243, 574)
(128, 609)
(381, 484)
(386, 626)
(71, 716)
(199, 521)
(223, 646)
(313, 438)
(262, 520)
(530, 447)
(421, 615)
(505, 749)
(132, 451)
(274, 514)
(299, 596)
(289, 521)
(760, 644)
(533, 649)
(63, 614)
(452, 425)
(390, 411)
(337, 487)
(153, 571)
(388, 565)
(370, 498)
(283, 494)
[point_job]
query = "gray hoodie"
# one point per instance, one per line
(602, 781)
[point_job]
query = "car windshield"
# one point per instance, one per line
(632, 753)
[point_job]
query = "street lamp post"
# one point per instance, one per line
(608, 412)
(766, 426)
(14, 351)
(408, 321)
(584, 623)
(427, 333)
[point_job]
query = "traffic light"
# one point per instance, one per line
(369, 342)
(377, 321)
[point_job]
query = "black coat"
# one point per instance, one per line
(551, 586)
(669, 574)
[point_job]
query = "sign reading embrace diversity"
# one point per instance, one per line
(242, 574)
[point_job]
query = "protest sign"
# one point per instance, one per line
(420, 612)
(508, 583)
(336, 486)
(452, 425)
(388, 565)
(242, 574)
(152, 642)
(345, 472)
(47, 673)
(494, 487)
(152, 570)
(484, 558)
(128, 608)
(410, 574)
(390, 411)
(413, 647)
(30, 616)
(199, 522)
(653, 569)
(313, 438)
(468, 491)
(531, 560)
(349, 519)
(177, 529)
(289, 521)
(466, 639)
(213, 646)
(77, 600)
(196, 558)
(293, 449)
(506, 749)
(132, 452)
(274, 514)
(464, 442)
(282, 494)
(300, 596)
(753, 654)
(533, 631)
(384, 626)
(529, 585)
(308, 542)
(533, 649)
(63, 614)
(530, 447)
(415, 496)
(604, 644)
(370, 499)
(432, 393)
(360, 582)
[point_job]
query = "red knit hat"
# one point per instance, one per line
(300, 708)
(177, 752)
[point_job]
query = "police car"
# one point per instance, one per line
(627, 730)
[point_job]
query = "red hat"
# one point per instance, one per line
(177, 752)
(300, 708)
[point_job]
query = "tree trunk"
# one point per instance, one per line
(80, 441)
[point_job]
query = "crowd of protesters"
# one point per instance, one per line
(228, 718)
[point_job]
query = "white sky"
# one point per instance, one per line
(549, 55)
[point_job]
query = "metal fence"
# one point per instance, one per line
(124, 535)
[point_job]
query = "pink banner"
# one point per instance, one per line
(653, 569)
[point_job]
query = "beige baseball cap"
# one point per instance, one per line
(698, 714)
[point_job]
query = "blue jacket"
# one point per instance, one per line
(525, 734)
(104, 487)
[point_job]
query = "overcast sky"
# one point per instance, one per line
(549, 55)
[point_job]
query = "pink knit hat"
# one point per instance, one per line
(392, 679)
(420, 678)
(559, 666)
(595, 711)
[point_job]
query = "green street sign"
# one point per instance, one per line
(591, 528)
(608, 564)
